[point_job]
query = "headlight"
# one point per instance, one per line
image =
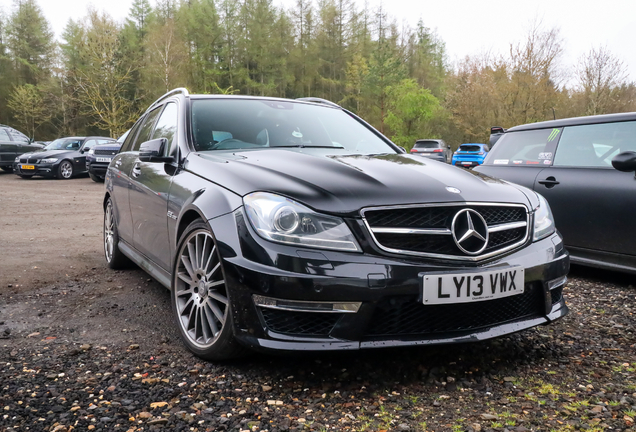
(17, 159)
(543, 220)
(49, 160)
(283, 220)
(91, 151)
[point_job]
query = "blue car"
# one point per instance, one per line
(470, 155)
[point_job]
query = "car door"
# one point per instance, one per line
(8, 147)
(150, 187)
(592, 203)
(120, 169)
(79, 160)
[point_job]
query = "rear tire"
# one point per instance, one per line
(25, 176)
(95, 178)
(200, 298)
(115, 259)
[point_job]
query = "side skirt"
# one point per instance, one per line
(148, 266)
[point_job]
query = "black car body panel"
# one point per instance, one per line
(13, 144)
(278, 291)
(591, 201)
(32, 164)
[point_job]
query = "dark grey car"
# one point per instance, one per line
(13, 143)
(569, 162)
(435, 149)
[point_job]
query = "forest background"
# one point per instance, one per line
(100, 75)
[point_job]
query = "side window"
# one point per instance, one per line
(103, 141)
(4, 136)
(146, 128)
(529, 147)
(130, 139)
(167, 125)
(595, 145)
(17, 136)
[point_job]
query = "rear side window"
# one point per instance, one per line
(130, 138)
(18, 136)
(532, 147)
(427, 144)
(595, 145)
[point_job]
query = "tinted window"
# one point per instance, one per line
(130, 136)
(146, 129)
(223, 124)
(533, 147)
(17, 136)
(470, 148)
(65, 144)
(4, 136)
(595, 145)
(167, 125)
(427, 144)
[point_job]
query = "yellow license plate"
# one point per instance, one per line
(28, 167)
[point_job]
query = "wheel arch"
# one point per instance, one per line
(189, 216)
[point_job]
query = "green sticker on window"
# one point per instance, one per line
(553, 135)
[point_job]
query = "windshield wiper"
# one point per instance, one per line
(307, 146)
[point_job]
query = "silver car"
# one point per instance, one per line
(435, 149)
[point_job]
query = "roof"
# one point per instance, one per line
(575, 121)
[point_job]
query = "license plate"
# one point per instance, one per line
(448, 288)
(466, 163)
(27, 167)
(103, 159)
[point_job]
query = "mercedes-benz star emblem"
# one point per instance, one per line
(470, 231)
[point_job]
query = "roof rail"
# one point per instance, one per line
(319, 100)
(182, 90)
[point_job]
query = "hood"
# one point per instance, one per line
(345, 184)
(42, 154)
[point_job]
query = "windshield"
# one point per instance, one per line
(427, 144)
(470, 148)
(65, 144)
(229, 124)
(531, 147)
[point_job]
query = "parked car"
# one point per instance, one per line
(98, 158)
(294, 225)
(495, 133)
(470, 155)
(435, 149)
(63, 158)
(13, 143)
(570, 163)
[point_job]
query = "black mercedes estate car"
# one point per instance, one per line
(294, 225)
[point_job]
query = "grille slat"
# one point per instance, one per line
(299, 323)
(105, 152)
(441, 217)
(405, 315)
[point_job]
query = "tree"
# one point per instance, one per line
(104, 80)
(412, 110)
(29, 109)
(29, 42)
(602, 78)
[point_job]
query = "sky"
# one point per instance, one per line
(466, 26)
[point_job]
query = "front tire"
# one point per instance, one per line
(115, 259)
(200, 298)
(25, 176)
(65, 170)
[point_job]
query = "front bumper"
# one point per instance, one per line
(467, 162)
(288, 298)
(97, 168)
(435, 156)
(45, 170)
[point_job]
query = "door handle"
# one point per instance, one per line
(136, 170)
(549, 182)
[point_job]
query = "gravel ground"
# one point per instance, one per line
(96, 350)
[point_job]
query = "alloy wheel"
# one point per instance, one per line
(109, 233)
(66, 169)
(200, 290)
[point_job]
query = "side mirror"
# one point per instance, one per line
(84, 150)
(625, 161)
(402, 149)
(152, 151)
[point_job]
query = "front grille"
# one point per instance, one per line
(557, 295)
(387, 226)
(105, 152)
(30, 160)
(299, 323)
(406, 316)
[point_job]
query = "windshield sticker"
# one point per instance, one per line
(553, 135)
(501, 162)
(532, 162)
(547, 162)
(545, 155)
(517, 162)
